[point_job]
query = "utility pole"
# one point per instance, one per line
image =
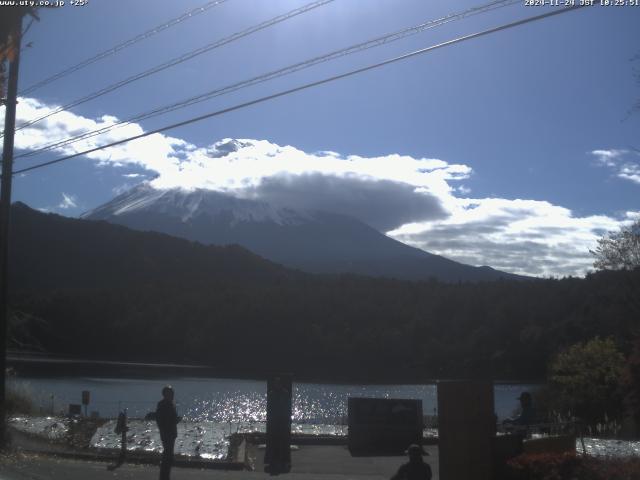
(5, 209)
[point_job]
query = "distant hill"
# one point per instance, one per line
(312, 241)
(51, 251)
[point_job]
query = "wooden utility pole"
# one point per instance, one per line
(5, 209)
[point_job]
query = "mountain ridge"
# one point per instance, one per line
(312, 241)
(46, 247)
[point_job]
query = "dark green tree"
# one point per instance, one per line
(585, 381)
(631, 384)
(619, 250)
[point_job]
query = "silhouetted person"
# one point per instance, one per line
(416, 468)
(527, 414)
(167, 420)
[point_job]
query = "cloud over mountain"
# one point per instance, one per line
(382, 204)
(518, 236)
(420, 201)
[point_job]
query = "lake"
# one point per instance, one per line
(232, 400)
(214, 408)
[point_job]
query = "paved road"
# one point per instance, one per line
(309, 463)
(47, 469)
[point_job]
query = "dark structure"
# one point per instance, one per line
(466, 425)
(121, 429)
(86, 400)
(277, 457)
(383, 425)
(10, 36)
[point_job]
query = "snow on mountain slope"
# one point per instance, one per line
(187, 205)
(313, 241)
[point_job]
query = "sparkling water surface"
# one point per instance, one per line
(231, 400)
(210, 440)
(214, 408)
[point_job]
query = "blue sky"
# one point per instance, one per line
(519, 146)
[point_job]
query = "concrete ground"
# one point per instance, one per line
(309, 462)
(336, 460)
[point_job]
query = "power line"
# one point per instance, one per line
(181, 59)
(127, 43)
(277, 73)
(376, 42)
(309, 85)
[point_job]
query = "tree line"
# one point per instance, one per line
(95, 290)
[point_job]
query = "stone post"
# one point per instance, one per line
(466, 425)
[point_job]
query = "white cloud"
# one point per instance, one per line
(630, 171)
(68, 201)
(228, 165)
(419, 201)
(120, 189)
(624, 163)
(155, 152)
(608, 157)
(520, 236)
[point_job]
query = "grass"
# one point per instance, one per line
(18, 400)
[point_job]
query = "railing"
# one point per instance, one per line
(574, 428)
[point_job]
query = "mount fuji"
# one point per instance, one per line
(312, 241)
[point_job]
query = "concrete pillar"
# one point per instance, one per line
(466, 425)
(277, 456)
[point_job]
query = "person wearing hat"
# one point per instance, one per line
(527, 413)
(416, 468)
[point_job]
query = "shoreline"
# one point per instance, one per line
(35, 444)
(49, 366)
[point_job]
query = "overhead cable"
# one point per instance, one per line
(180, 59)
(309, 85)
(121, 46)
(376, 42)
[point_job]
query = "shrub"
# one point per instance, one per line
(543, 466)
(585, 380)
(568, 466)
(18, 400)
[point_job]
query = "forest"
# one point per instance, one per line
(94, 290)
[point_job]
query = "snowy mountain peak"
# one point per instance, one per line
(190, 204)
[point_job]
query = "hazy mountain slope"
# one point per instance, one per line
(318, 242)
(51, 251)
